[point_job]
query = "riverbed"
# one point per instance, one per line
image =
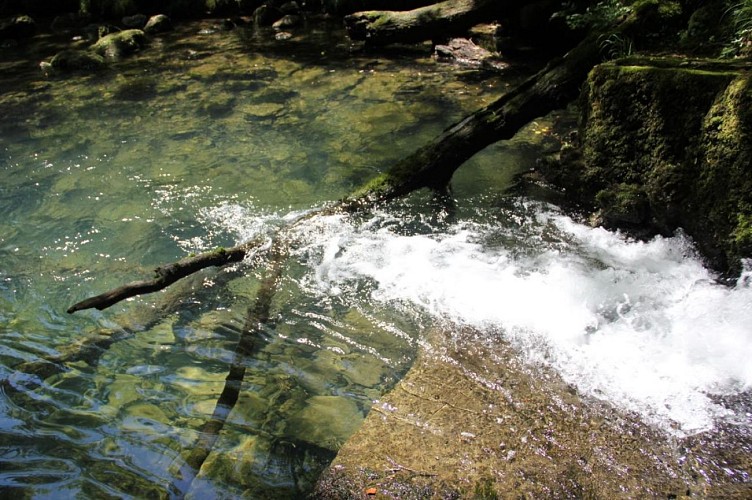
(208, 138)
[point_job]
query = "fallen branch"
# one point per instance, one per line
(432, 166)
(169, 274)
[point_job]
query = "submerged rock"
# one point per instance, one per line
(76, 60)
(121, 44)
(479, 423)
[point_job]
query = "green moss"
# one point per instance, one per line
(742, 234)
(379, 184)
(624, 203)
(668, 146)
(484, 490)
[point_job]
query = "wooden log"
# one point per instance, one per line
(434, 164)
(343, 7)
(167, 275)
(451, 17)
(431, 166)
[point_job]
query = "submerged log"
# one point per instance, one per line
(378, 27)
(256, 319)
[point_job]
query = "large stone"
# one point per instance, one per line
(479, 423)
(76, 60)
(121, 44)
(665, 144)
(286, 22)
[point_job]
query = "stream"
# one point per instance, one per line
(209, 138)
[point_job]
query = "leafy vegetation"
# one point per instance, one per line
(740, 17)
(599, 15)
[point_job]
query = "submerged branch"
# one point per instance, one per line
(257, 318)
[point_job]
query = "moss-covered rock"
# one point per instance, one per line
(77, 60)
(667, 144)
(120, 44)
(158, 24)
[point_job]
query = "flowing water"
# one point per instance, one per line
(209, 138)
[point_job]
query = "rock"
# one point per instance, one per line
(448, 431)
(76, 60)
(121, 44)
(266, 15)
(136, 21)
(464, 52)
(18, 27)
(325, 421)
(158, 24)
(288, 21)
(665, 145)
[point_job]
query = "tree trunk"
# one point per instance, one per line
(434, 164)
(445, 18)
(342, 7)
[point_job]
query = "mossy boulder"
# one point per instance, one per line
(77, 60)
(120, 44)
(668, 144)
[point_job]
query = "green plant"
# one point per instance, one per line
(740, 14)
(602, 14)
(615, 46)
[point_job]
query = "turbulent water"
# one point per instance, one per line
(209, 138)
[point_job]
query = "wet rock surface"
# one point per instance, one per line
(476, 422)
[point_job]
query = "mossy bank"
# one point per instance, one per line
(665, 144)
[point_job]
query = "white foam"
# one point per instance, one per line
(642, 325)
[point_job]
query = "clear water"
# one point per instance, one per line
(208, 140)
